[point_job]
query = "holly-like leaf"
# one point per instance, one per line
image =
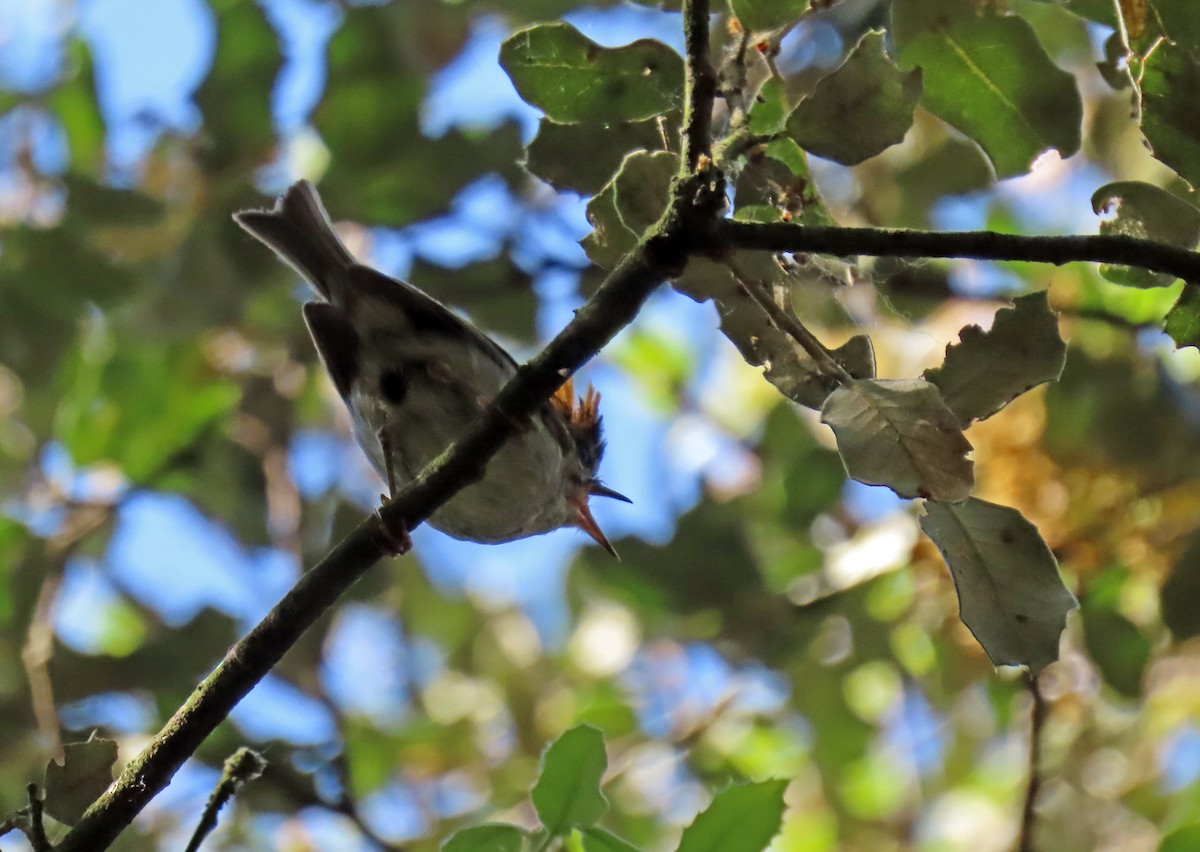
(1137, 209)
(1182, 322)
(643, 188)
(567, 793)
(899, 433)
(598, 840)
(1010, 594)
(84, 774)
(991, 79)
(1171, 125)
(572, 79)
(764, 15)
(742, 818)
(610, 240)
(861, 109)
(584, 157)
(986, 370)
(489, 837)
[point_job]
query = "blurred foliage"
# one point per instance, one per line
(784, 654)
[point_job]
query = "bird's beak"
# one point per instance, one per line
(588, 524)
(598, 489)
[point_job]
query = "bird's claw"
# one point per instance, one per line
(394, 534)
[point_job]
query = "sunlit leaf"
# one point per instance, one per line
(598, 840)
(1172, 128)
(899, 433)
(571, 78)
(567, 793)
(763, 15)
(990, 78)
(1010, 594)
(488, 837)
(861, 109)
(1183, 320)
(986, 370)
(742, 818)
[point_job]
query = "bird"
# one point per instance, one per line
(414, 375)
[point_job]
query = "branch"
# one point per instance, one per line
(662, 254)
(980, 245)
(245, 765)
(700, 86)
(1037, 721)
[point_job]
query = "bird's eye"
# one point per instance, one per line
(393, 386)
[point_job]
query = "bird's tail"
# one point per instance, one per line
(299, 231)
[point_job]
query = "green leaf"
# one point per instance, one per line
(1148, 212)
(861, 109)
(74, 104)
(1170, 122)
(1010, 594)
(567, 793)
(763, 15)
(986, 370)
(489, 837)
(776, 185)
(610, 240)
(572, 79)
(1182, 322)
(1185, 839)
(643, 188)
(1180, 591)
(584, 157)
(742, 818)
(990, 78)
(769, 112)
(1118, 648)
(899, 433)
(598, 840)
(85, 773)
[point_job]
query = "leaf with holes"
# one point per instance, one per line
(1145, 211)
(572, 79)
(1010, 594)
(986, 370)
(899, 433)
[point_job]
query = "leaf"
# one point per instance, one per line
(991, 79)
(742, 818)
(1180, 591)
(643, 188)
(584, 157)
(763, 15)
(489, 837)
(84, 774)
(610, 240)
(899, 433)
(1185, 839)
(986, 370)
(861, 109)
(1169, 119)
(1182, 322)
(598, 840)
(572, 79)
(1010, 594)
(567, 793)
(1117, 647)
(776, 185)
(1142, 210)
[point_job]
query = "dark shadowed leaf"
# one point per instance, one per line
(742, 818)
(1181, 591)
(1145, 211)
(1010, 594)
(1118, 648)
(567, 793)
(643, 188)
(584, 157)
(986, 370)
(85, 773)
(990, 78)
(572, 79)
(861, 109)
(899, 433)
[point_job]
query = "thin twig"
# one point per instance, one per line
(244, 765)
(787, 322)
(1037, 722)
(978, 245)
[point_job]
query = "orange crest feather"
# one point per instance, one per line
(582, 411)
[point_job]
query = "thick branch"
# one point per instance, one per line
(980, 245)
(700, 86)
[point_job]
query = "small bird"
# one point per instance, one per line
(414, 376)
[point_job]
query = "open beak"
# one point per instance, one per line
(598, 489)
(588, 524)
